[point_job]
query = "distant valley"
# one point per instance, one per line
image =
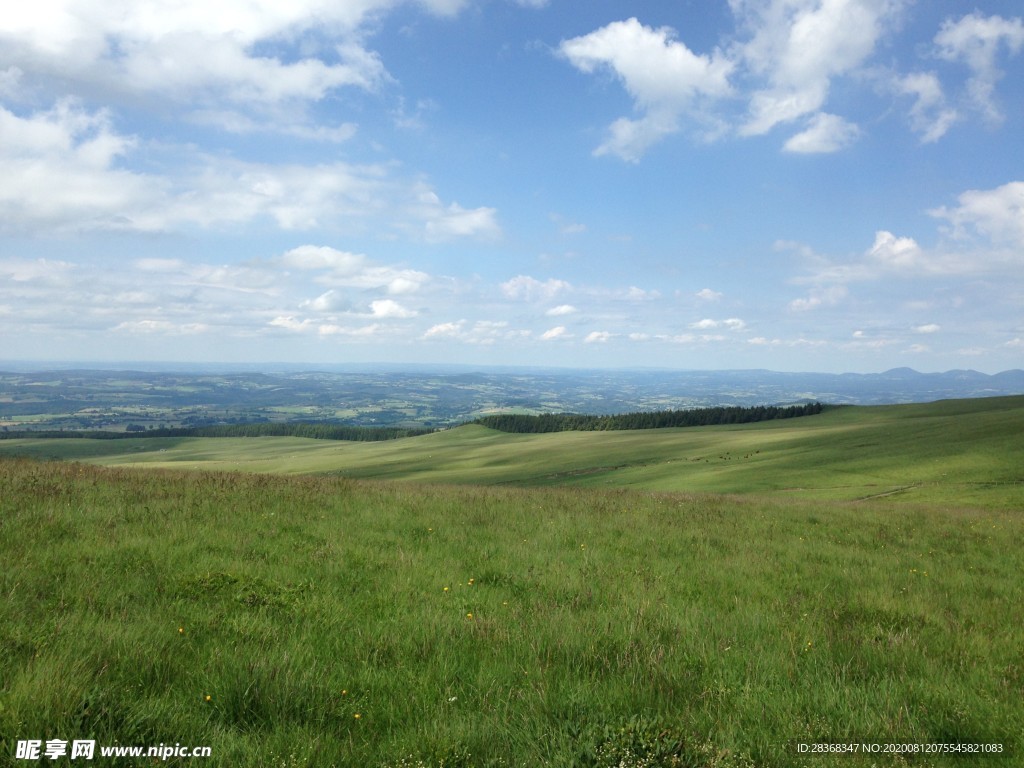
(76, 398)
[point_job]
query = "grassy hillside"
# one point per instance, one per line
(967, 450)
(319, 621)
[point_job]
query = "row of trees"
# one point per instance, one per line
(696, 417)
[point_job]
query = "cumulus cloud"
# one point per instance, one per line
(558, 332)
(526, 288)
(22, 270)
(441, 330)
(253, 54)
(928, 328)
(825, 133)
(894, 252)
(65, 168)
(597, 337)
(389, 308)
(706, 294)
(633, 293)
(929, 116)
(161, 327)
(997, 214)
(799, 46)
(820, 297)
(330, 301)
(984, 234)
(59, 167)
(455, 221)
(782, 62)
(976, 40)
(561, 309)
(352, 270)
(731, 324)
(662, 75)
(307, 257)
(480, 332)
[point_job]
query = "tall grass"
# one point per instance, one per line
(356, 623)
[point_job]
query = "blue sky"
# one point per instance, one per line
(830, 185)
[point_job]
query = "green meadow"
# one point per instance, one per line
(692, 597)
(964, 450)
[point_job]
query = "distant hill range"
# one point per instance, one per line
(899, 385)
(427, 397)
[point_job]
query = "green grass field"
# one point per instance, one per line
(969, 450)
(741, 591)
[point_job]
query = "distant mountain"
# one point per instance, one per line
(899, 385)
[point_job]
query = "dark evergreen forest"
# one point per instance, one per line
(695, 417)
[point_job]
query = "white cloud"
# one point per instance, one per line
(63, 172)
(929, 116)
(363, 331)
(597, 337)
(162, 327)
(442, 330)
(331, 301)
(825, 133)
(799, 46)
(732, 324)
(481, 332)
(821, 296)
(526, 288)
(891, 252)
(36, 270)
(707, 294)
(309, 257)
(997, 214)
(928, 328)
(561, 309)
(455, 221)
(59, 167)
(782, 62)
(352, 270)
(558, 332)
(633, 293)
(389, 308)
(976, 41)
(664, 78)
(251, 53)
(985, 235)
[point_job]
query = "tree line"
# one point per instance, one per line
(694, 417)
(262, 429)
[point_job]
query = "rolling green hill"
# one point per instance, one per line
(966, 451)
(865, 589)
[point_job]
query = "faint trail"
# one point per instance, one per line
(893, 492)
